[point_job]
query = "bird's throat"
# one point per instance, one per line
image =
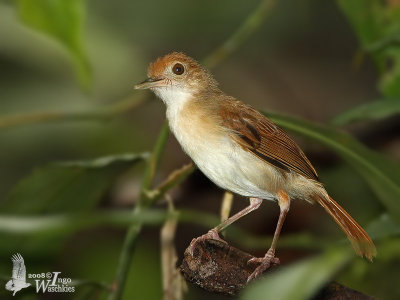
(173, 97)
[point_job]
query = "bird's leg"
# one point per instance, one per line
(213, 233)
(284, 204)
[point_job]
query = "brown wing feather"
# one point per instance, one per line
(257, 134)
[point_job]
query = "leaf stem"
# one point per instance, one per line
(122, 106)
(174, 179)
(153, 163)
(135, 229)
(65, 224)
(248, 27)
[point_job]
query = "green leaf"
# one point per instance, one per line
(63, 21)
(365, 17)
(381, 173)
(68, 187)
(301, 280)
(376, 110)
(66, 223)
(377, 25)
(383, 227)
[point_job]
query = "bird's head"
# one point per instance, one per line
(175, 74)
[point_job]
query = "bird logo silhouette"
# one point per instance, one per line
(18, 280)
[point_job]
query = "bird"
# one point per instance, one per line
(18, 280)
(241, 151)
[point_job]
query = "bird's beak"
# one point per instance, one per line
(150, 83)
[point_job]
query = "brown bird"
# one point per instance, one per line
(241, 150)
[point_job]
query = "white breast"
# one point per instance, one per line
(222, 160)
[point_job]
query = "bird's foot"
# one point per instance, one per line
(265, 263)
(210, 235)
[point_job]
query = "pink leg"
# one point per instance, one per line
(213, 233)
(284, 204)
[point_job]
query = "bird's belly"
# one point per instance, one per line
(220, 158)
(230, 167)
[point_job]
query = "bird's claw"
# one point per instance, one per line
(265, 263)
(210, 235)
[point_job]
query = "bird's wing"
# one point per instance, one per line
(258, 135)
(19, 270)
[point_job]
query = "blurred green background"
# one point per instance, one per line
(75, 137)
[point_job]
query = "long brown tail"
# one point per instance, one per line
(359, 239)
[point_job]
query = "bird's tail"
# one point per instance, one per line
(359, 239)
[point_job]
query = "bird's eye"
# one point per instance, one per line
(178, 69)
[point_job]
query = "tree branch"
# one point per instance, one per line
(220, 268)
